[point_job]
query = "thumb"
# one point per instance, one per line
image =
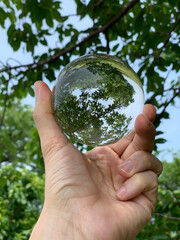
(51, 136)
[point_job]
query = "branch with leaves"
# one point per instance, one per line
(165, 105)
(173, 28)
(32, 66)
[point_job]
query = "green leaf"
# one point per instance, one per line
(2, 182)
(3, 16)
(12, 15)
(11, 31)
(160, 140)
(49, 19)
(56, 15)
(115, 47)
(166, 115)
(44, 42)
(139, 21)
(171, 56)
(159, 133)
(31, 92)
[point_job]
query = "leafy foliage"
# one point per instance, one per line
(15, 132)
(21, 173)
(19, 141)
(165, 223)
(21, 198)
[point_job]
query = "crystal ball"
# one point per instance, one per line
(96, 99)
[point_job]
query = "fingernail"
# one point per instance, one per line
(121, 192)
(36, 91)
(127, 166)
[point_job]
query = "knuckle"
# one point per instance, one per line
(138, 181)
(148, 159)
(154, 179)
(146, 180)
(158, 167)
(137, 154)
(153, 175)
(150, 211)
(142, 160)
(149, 162)
(98, 153)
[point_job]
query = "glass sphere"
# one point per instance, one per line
(96, 99)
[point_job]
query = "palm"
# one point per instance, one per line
(93, 181)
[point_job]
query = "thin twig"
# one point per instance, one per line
(12, 59)
(166, 216)
(160, 93)
(159, 116)
(107, 42)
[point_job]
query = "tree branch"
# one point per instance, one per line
(160, 93)
(4, 107)
(104, 28)
(166, 216)
(107, 42)
(169, 34)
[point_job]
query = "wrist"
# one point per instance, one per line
(56, 225)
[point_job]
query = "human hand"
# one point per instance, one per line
(107, 193)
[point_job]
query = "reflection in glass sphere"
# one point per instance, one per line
(96, 99)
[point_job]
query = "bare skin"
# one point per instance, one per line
(108, 193)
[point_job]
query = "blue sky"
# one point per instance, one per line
(170, 127)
